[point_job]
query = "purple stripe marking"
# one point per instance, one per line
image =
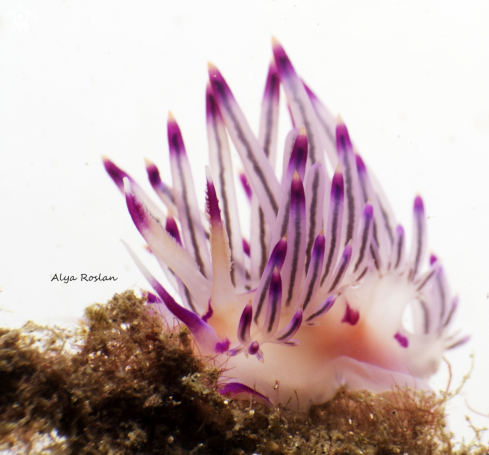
(282, 61)
(234, 388)
(312, 218)
(215, 119)
(298, 157)
(374, 251)
(139, 216)
(272, 89)
(400, 244)
(293, 326)
(297, 162)
(212, 110)
(428, 277)
(364, 271)
(195, 324)
(337, 194)
(343, 264)
(426, 316)
(327, 305)
(297, 211)
(222, 91)
(246, 248)
(274, 297)
(418, 217)
(156, 182)
(263, 243)
(453, 309)
(175, 139)
(245, 324)
(271, 94)
(418, 204)
(137, 211)
(276, 260)
(310, 93)
(387, 223)
(460, 342)
(246, 185)
(362, 176)
(153, 175)
(177, 148)
(441, 290)
(116, 173)
(361, 168)
(368, 214)
(343, 145)
(286, 71)
(172, 229)
(212, 204)
(317, 256)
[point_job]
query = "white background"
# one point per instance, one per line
(79, 79)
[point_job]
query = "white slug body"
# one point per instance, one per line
(316, 298)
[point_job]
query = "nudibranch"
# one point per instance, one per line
(316, 298)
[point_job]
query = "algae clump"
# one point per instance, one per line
(128, 382)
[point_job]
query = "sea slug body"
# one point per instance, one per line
(315, 299)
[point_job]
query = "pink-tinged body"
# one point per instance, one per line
(334, 353)
(320, 298)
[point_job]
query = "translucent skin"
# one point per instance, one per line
(320, 301)
(361, 356)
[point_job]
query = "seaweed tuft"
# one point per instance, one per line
(126, 381)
